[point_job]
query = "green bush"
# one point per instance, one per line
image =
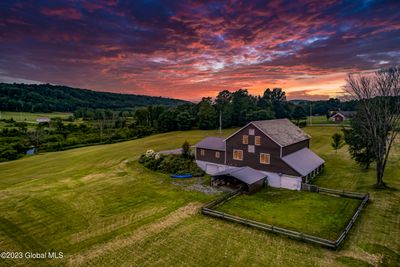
(171, 164)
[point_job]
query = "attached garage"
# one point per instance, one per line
(292, 183)
(212, 169)
(283, 181)
(251, 179)
(305, 162)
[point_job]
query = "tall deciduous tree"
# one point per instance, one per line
(168, 121)
(276, 98)
(184, 120)
(223, 103)
(207, 115)
(242, 104)
(298, 114)
(379, 100)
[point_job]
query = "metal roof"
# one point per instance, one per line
(245, 174)
(214, 143)
(282, 131)
(303, 161)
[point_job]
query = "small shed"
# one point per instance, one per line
(251, 179)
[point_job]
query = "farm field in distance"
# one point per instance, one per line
(306, 212)
(31, 117)
(100, 207)
(324, 120)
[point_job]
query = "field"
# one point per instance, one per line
(323, 120)
(99, 207)
(31, 117)
(316, 214)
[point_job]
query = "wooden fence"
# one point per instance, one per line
(219, 201)
(342, 193)
(208, 210)
(353, 219)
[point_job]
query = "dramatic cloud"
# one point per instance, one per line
(190, 49)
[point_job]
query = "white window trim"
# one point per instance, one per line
(217, 153)
(248, 149)
(243, 139)
(202, 152)
(255, 140)
(233, 154)
(251, 131)
(269, 158)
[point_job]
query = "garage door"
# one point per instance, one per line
(274, 180)
(212, 169)
(292, 183)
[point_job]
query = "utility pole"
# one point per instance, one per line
(310, 114)
(220, 121)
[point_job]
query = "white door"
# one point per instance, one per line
(212, 169)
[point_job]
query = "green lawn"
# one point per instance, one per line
(324, 120)
(311, 213)
(100, 210)
(31, 117)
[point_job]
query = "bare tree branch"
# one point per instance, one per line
(379, 98)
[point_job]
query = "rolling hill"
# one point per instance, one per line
(51, 98)
(100, 207)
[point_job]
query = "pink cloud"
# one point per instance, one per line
(62, 12)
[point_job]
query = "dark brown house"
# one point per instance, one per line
(276, 148)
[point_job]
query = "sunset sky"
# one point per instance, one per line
(190, 49)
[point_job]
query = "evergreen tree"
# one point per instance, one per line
(337, 141)
(360, 147)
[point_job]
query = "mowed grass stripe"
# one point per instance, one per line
(139, 234)
(103, 199)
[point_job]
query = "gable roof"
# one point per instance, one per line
(349, 113)
(282, 131)
(338, 114)
(245, 174)
(214, 143)
(344, 114)
(303, 161)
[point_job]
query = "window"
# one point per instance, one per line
(245, 139)
(257, 140)
(264, 158)
(251, 149)
(238, 154)
(251, 131)
(202, 152)
(217, 154)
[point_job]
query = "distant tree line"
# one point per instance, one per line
(231, 109)
(91, 125)
(50, 98)
(18, 137)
